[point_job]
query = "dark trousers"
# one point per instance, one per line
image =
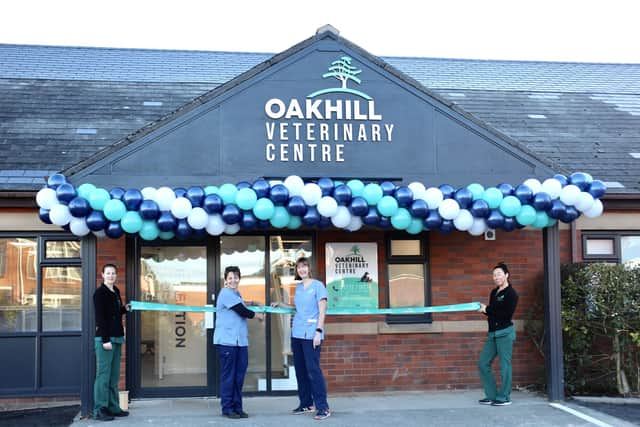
(233, 367)
(312, 388)
(105, 387)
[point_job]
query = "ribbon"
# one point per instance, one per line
(472, 306)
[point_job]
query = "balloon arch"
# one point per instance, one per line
(166, 213)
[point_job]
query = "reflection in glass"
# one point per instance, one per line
(173, 345)
(62, 249)
(630, 251)
(18, 286)
(61, 298)
(406, 285)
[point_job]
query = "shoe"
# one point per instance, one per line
(322, 414)
(485, 401)
(242, 414)
(232, 415)
(501, 403)
(302, 410)
(103, 415)
(118, 414)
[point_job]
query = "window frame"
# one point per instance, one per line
(600, 235)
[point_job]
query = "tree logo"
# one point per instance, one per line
(342, 70)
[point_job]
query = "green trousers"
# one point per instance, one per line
(499, 343)
(105, 388)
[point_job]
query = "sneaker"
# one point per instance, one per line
(118, 414)
(485, 401)
(232, 415)
(242, 414)
(103, 415)
(302, 410)
(501, 403)
(322, 414)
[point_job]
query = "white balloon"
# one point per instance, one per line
(569, 195)
(231, 228)
(479, 227)
(60, 215)
(449, 209)
(181, 207)
(148, 193)
(327, 206)
(342, 218)
(294, 184)
(595, 210)
(585, 201)
(464, 220)
(99, 234)
(418, 190)
(311, 194)
(552, 187)
(79, 227)
(46, 198)
(198, 218)
(215, 225)
(534, 185)
(433, 196)
(164, 197)
(355, 224)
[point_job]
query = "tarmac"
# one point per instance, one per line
(445, 408)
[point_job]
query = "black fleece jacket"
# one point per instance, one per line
(501, 307)
(109, 310)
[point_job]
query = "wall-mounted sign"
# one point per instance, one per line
(352, 274)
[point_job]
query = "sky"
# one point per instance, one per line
(540, 30)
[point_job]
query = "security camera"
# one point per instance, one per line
(490, 234)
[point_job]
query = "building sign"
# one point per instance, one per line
(317, 128)
(352, 275)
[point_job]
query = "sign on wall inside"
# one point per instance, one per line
(352, 274)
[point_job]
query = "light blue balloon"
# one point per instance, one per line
(372, 193)
(542, 220)
(295, 222)
(401, 219)
(114, 209)
(227, 193)
(246, 198)
(280, 218)
(209, 189)
(356, 186)
(493, 197)
(510, 206)
(98, 198)
(264, 209)
(415, 227)
(166, 235)
(387, 206)
(527, 215)
(85, 189)
(149, 230)
(131, 222)
(476, 189)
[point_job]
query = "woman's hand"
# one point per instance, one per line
(127, 307)
(275, 304)
(260, 316)
(317, 339)
(107, 345)
(483, 308)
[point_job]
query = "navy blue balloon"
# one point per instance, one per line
(183, 230)
(180, 192)
(563, 179)
(65, 193)
(570, 214)
(359, 206)
(524, 194)
(44, 215)
(167, 222)
(505, 189)
(114, 230)
(541, 201)
(195, 196)
(464, 197)
(557, 209)
(117, 193)
(480, 209)
(404, 196)
(96, 221)
(261, 187)
(149, 210)
(132, 199)
(324, 222)
(264, 224)
(447, 191)
(212, 204)
(79, 207)
(495, 219)
(199, 234)
(243, 184)
(312, 216)
(372, 217)
(55, 180)
(509, 224)
(580, 180)
(342, 194)
(433, 220)
(248, 220)
(231, 214)
(385, 222)
(388, 188)
(597, 188)
(296, 206)
(66, 227)
(279, 194)
(419, 209)
(447, 226)
(326, 185)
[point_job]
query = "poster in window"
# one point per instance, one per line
(352, 274)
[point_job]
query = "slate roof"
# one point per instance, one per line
(60, 105)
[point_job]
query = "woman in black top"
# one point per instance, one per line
(502, 334)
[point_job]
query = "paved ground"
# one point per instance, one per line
(626, 409)
(52, 416)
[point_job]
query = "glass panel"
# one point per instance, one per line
(61, 298)
(284, 253)
(248, 253)
(405, 248)
(173, 350)
(406, 285)
(600, 247)
(62, 249)
(630, 251)
(18, 286)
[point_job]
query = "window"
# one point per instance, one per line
(619, 247)
(18, 291)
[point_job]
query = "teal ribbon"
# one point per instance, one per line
(472, 306)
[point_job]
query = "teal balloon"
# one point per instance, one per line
(227, 193)
(131, 222)
(98, 198)
(114, 209)
(264, 209)
(387, 206)
(415, 227)
(149, 230)
(551, 222)
(210, 189)
(166, 235)
(295, 222)
(85, 189)
(542, 220)
(280, 218)
(356, 186)
(401, 219)
(493, 197)
(246, 198)
(476, 189)
(527, 215)
(372, 193)
(510, 206)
